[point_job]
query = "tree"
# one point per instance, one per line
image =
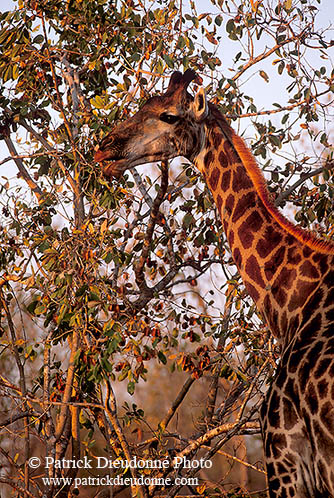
(106, 284)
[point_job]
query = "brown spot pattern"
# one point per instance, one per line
(247, 201)
(308, 270)
(208, 158)
(254, 220)
(322, 261)
(278, 442)
(246, 235)
(273, 411)
(217, 138)
(303, 290)
(275, 262)
(219, 203)
(230, 238)
(272, 238)
(280, 296)
(307, 251)
(222, 159)
(237, 257)
(294, 255)
(253, 270)
(322, 368)
(252, 291)
(229, 204)
(231, 154)
(289, 414)
(226, 180)
(312, 398)
(240, 180)
(327, 416)
(323, 388)
(214, 178)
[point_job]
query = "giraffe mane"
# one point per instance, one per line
(259, 182)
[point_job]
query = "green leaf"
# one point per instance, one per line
(281, 66)
(162, 357)
(311, 215)
(169, 61)
(16, 72)
(230, 26)
(62, 313)
(325, 174)
(97, 102)
(264, 75)
(32, 306)
(38, 39)
(275, 140)
(285, 118)
(81, 290)
(219, 20)
(188, 220)
(124, 373)
(7, 74)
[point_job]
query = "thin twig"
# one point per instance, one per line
(23, 172)
(247, 428)
(178, 400)
(305, 176)
(261, 57)
(22, 383)
(14, 418)
(250, 390)
(242, 462)
(213, 391)
(21, 491)
(139, 269)
(111, 410)
(68, 386)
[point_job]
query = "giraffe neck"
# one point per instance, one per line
(279, 263)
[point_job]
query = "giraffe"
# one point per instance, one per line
(288, 272)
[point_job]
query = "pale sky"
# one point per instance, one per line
(264, 93)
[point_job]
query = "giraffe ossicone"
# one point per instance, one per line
(288, 272)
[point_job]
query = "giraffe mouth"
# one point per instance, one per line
(101, 155)
(115, 168)
(115, 164)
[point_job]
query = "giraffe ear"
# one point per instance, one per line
(200, 105)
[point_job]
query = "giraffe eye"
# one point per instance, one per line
(168, 118)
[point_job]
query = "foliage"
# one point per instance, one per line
(101, 282)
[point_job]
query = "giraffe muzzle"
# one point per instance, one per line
(115, 169)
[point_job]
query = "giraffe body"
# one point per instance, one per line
(288, 272)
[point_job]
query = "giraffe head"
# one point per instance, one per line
(167, 126)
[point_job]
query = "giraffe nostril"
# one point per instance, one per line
(109, 139)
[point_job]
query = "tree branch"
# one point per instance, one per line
(52, 151)
(111, 410)
(19, 489)
(212, 395)
(261, 57)
(305, 176)
(139, 269)
(68, 386)
(48, 425)
(23, 172)
(23, 387)
(178, 400)
(14, 418)
(233, 427)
